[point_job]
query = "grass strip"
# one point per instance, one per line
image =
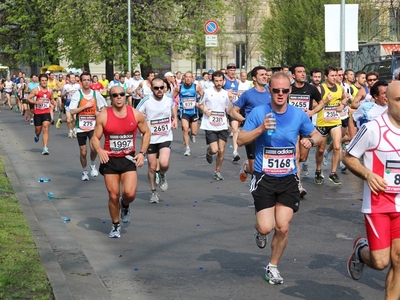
(22, 275)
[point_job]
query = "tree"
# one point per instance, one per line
(294, 32)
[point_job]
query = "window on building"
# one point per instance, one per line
(201, 58)
(240, 21)
(369, 24)
(394, 21)
(241, 53)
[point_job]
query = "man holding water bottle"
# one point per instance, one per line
(274, 184)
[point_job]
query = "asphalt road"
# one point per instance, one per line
(197, 243)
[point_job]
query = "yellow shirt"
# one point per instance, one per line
(328, 116)
(104, 83)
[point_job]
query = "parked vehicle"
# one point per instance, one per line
(385, 66)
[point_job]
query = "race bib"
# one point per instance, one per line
(330, 113)
(121, 143)
(392, 176)
(217, 118)
(87, 123)
(299, 101)
(278, 161)
(189, 103)
(160, 126)
(44, 105)
(235, 95)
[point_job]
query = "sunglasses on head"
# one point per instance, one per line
(156, 88)
(231, 67)
(115, 95)
(283, 91)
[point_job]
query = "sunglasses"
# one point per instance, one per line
(231, 67)
(283, 91)
(372, 79)
(115, 95)
(156, 88)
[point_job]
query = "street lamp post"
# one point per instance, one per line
(129, 37)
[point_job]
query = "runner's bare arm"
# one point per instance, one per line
(375, 182)
(101, 121)
(145, 130)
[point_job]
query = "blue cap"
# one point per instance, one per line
(210, 71)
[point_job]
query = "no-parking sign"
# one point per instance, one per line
(211, 27)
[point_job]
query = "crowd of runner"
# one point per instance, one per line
(277, 116)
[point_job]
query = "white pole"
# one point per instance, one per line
(129, 37)
(342, 35)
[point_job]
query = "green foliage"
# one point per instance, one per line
(295, 33)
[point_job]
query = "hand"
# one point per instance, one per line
(269, 123)
(174, 123)
(328, 98)
(376, 183)
(309, 112)
(306, 143)
(139, 160)
(89, 104)
(103, 156)
(207, 112)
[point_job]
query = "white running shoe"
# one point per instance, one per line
(187, 152)
(154, 197)
(70, 135)
(272, 275)
(93, 171)
(163, 183)
(115, 231)
(325, 158)
(304, 169)
(85, 176)
(125, 213)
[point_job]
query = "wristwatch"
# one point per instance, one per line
(144, 153)
(311, 141)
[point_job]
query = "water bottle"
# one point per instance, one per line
(271, 132)
(66, 219)
(44, 179)
(50, 195)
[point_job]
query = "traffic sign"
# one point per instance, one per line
(211, 27)
(211, 40)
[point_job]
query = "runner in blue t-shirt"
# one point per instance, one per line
(274, 185)
(256, 96)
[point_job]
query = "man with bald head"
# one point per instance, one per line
(378, 143)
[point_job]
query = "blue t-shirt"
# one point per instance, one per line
(32, 86)
(252, 98)
(231, 84)
(289, 125)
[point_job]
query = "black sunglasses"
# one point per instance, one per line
(156, 88)
(115, 95)
(277, 91)
(231, 67)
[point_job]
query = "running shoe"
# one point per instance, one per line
(319, 178)
(302, 191)
(304, 169)
(154, 197)
(261, 240)
(355, 267)
(218, 176)
(74, 134)
(157, 177)
(209, 157)
(325, 158)
(27, 119)
(236, 156)
(58, 125)
(36, 138)
(163, 183)
(335, 178)
(31, 122)
(272, 275)
(343, 167)
(85, 176)
(243, 173)
(187, 152)
(93, 171)
(125, 212)
(52, 122)
(70, 135)
(45, 151)
(192, 138)
(115, 232)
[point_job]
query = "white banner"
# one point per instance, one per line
(332, 27)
